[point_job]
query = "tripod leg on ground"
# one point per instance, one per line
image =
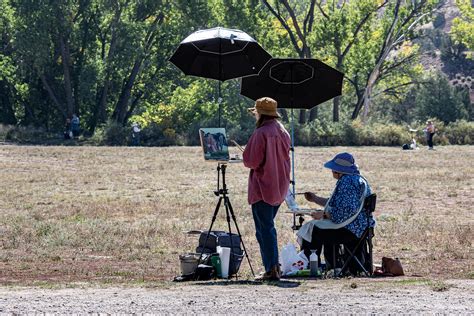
(231, 210)
(227, 212)
(210, 227)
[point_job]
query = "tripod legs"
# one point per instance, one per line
(229, 214)
(230, 210)
(222, 193)
(214, 216)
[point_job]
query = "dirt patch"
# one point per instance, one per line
(353, 296)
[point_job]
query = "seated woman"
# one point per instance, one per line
(342, 220)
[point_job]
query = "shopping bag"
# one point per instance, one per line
(291, 261)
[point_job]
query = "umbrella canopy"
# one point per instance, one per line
(220, 54)
(294, 83)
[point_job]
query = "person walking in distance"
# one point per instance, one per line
(267, 156)
(429, 132)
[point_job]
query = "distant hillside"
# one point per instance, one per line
(439, 53)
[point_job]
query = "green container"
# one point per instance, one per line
(216, 263)
(304, 272)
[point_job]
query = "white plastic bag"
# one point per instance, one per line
(291, 261)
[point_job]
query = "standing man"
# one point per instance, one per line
(75, 126)
(135, 134)
(267, 156)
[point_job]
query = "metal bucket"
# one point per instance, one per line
(189, 262)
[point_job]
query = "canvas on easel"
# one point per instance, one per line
(214, 144)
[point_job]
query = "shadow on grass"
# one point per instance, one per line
(281, 283)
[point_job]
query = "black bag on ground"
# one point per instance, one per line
(222, 239)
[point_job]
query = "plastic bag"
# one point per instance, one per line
(292, 261)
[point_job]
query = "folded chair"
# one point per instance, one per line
(359, 256)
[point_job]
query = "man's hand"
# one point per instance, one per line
(310, 196)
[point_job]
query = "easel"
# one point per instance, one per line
(222, 193)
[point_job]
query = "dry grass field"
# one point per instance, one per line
(118, 215)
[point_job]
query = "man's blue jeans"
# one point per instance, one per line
(263, 216)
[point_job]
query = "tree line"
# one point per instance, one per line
(107, 61)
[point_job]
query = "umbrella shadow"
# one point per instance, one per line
(281, 283)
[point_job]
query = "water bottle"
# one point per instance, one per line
(216, 263)
(313, 264)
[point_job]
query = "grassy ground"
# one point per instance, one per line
(114, 215)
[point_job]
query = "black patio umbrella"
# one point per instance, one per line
(219, 54)
(294, 84)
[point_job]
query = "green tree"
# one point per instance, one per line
(462, 30)
(342, 26)
(436, 98)
(8, 78)
(360, 38)
(298, 20)
(394, 28)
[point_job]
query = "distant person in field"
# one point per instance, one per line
(135, 134)
(267, 156)
(429, 133)
(413, 144)
(67, 129)
(75, 126)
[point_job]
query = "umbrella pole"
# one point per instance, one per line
(293, 161)
(219, 100)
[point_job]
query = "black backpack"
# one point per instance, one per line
(223, 239)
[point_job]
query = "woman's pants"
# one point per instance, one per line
(328, 237)
(430, 140)
(263, 216)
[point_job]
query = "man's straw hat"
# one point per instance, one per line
(265, 106)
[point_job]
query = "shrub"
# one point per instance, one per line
(460, 133)
(316, 133)
(4, 130)
(29, 135)
(156, 135)
(352, 133)
(390, 134)
(111, 134)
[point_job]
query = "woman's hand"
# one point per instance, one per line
(310, 196)
(317, 215)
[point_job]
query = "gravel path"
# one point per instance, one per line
(313, 296)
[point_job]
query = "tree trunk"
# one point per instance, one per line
(67, 75)
(77, 69)
(133, 106)
(121, 107)
(100, 113)
(53, 96)
(284, 115)
(358, 106)
(302, 117)
(313, 114)
(337, 100)
(7, 114)
(335, 108)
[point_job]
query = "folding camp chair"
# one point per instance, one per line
(363, 245)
